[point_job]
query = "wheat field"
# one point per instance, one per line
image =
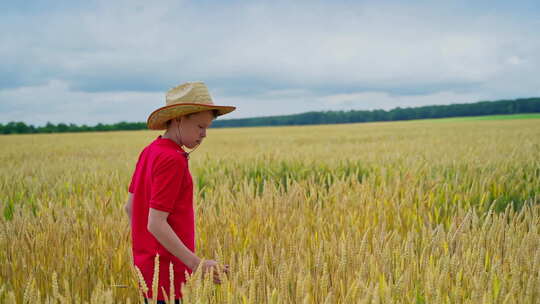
(401, 212)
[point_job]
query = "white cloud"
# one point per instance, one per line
(267, 57)
(55, 102)
(385, 101)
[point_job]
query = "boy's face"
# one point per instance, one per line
(193, 127)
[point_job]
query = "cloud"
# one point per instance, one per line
(255, 53)
(55, 102)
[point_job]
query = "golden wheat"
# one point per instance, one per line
(424, 212)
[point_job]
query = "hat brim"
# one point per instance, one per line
(158, 119)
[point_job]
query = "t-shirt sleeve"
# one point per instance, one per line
(167, 176)
(135, 175)
(131, 188)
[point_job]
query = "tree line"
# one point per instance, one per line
(528, 105)
(516, 106)
(22, 128)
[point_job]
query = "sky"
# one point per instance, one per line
(87, 62)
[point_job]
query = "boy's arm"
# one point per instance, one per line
(162, 231)
(128, 205)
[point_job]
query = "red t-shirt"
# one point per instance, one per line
(162, 181)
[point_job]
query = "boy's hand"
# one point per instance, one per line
(214, 268)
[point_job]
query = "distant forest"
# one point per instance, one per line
(525, 105)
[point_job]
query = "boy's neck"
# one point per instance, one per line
(170, 135)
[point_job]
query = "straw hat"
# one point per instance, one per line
(187, 98)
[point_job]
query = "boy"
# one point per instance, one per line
(160, 201)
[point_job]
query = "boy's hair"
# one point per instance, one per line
(215, 113)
